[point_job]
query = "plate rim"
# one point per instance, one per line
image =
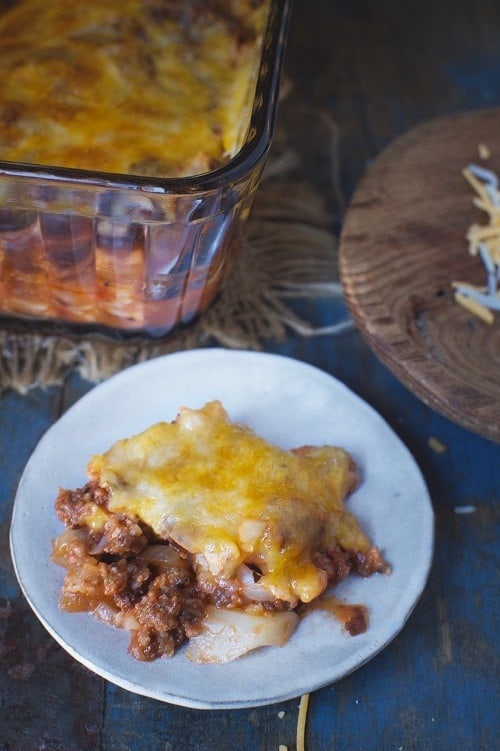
(187, 700)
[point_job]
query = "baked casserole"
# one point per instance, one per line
(199, 530)
(140, 87)
(132, 137)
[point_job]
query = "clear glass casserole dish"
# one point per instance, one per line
(132, 254)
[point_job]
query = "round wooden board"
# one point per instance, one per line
(403, 244)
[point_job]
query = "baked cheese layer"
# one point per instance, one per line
(230, 498)
(145, 87)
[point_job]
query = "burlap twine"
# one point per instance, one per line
(289, 251)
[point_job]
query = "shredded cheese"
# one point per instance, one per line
(483, 240)
(301, 722)
(483, 151)
(436, 445)
(474, 307)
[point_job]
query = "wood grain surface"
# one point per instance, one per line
(403, 245)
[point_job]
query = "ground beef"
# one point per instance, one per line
(338, 563)
(170, 612)
(370, 562)
(120, 535)
(125, 582)
(355, 619)
(161, 604)
(123, 535)
(226, 595)
(108, 572)
(162, 609)
(72, 506)
(335, 562)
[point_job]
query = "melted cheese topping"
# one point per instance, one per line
(230, 498)
(138, 86)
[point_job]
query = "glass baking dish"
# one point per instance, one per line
(131, 255)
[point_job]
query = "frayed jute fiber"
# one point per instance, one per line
(288, 252)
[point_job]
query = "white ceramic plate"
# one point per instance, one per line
(290, 404)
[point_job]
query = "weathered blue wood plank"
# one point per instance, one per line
(180, 729)
(440, 674)
(47, 701)
(23, 420)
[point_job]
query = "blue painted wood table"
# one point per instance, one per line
(378, 68)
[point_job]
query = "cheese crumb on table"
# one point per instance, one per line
(436, 445)
(483, 151)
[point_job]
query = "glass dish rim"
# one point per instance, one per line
(252, 152)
